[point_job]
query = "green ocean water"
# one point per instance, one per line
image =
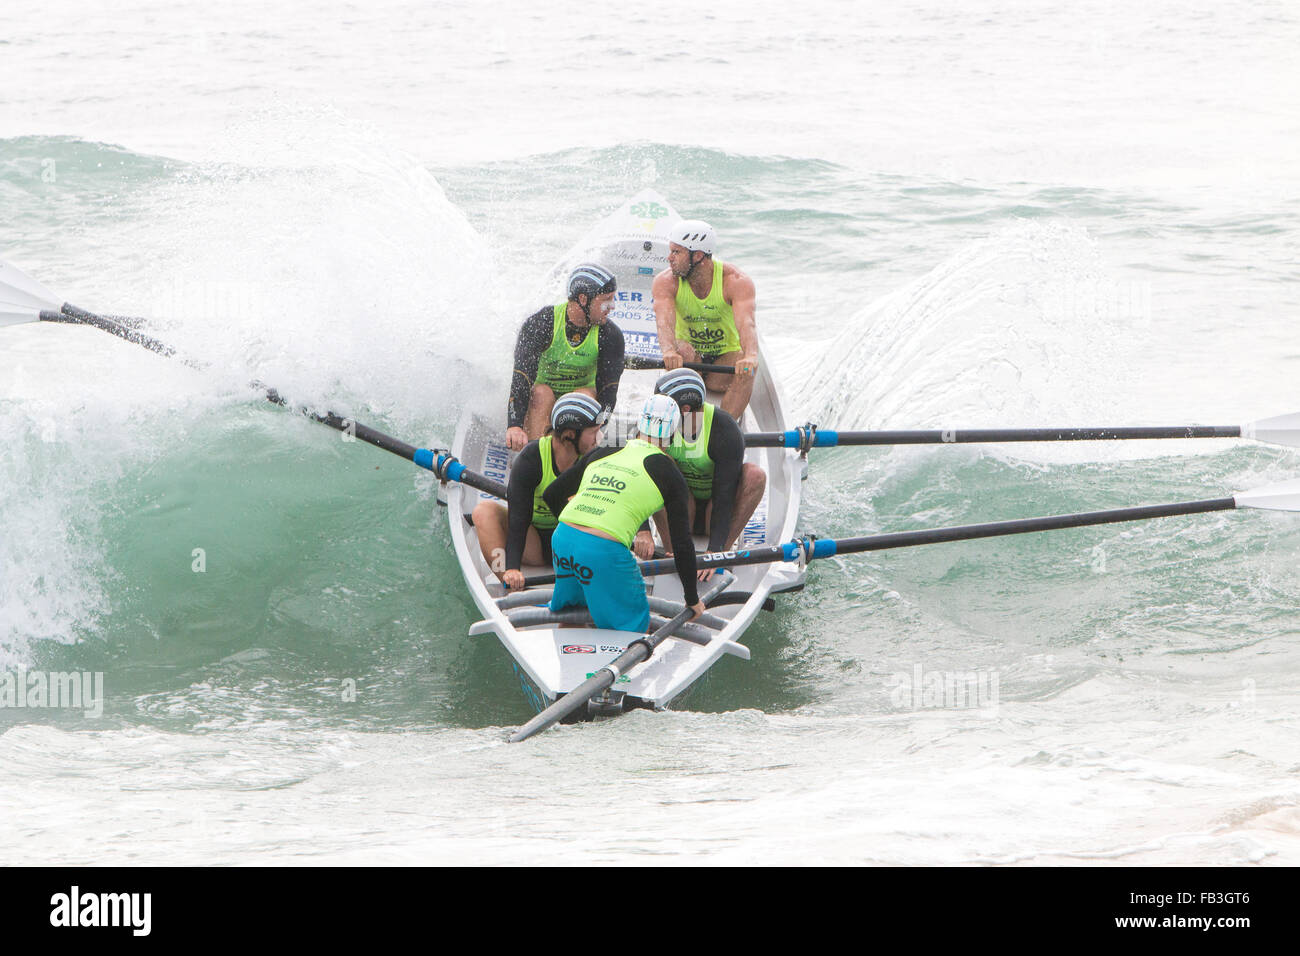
(280, 619)
(326, 562)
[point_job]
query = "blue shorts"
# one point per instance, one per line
(601, 575)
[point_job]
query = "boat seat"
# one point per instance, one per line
(542, 596)
(534, 616)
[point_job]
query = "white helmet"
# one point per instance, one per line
(695, 234)
(660, 417)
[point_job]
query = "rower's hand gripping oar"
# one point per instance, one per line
(637, 651)
(635, 364)
(1279, 430)
(23, 299)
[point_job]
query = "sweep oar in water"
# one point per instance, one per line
(1284, 496)
(1279, 430)
(23, 299)
(637, 651)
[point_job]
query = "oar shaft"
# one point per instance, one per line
(441, 463)
(828, 438)
(829, 547)
(578, 697)
(906, 539)
(637, 651)
(702, 368)
(72, 315)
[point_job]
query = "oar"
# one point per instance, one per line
(643, 363)
(1284, 496)
(23, 299)
(1280, 430)
(637, 651)
(439, 461)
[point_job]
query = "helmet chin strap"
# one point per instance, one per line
(691, 254)
(686, 417)
(586, 309)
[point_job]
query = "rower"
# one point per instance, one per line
(704, 311)
(710, 451)
(519, 531)
(557, 353)
(615, 491)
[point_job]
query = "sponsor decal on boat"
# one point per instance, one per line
(648, 210)
(641, 344)
(578, 649)
(495, 461)
(533, 695)
(646, 253)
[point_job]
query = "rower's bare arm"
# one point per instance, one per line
(664, 293)
(738, 290)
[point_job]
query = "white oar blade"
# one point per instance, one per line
(1281, 430)
(21, 297)
(1284, 496)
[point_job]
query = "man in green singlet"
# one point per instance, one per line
(704, 310)
(519, 531)
(568, 347)
(710, 452)
(601, 502)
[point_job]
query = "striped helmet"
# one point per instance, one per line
(695, 234)
(660, 417)
(576, 410)
(683, 385)
(590, 280)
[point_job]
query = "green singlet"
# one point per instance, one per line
(693, 458)
(708, 323)
(616, 495)
(543, 518)
(563, 367)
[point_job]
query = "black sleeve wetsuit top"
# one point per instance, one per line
(727, 449)
(536, 336)
(525, 475)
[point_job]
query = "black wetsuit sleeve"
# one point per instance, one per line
(727, 449)
(525, 476)
(668, 479)
(534, 339)
(609, 365)
(567, 483)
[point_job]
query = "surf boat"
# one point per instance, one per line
(552, 654)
